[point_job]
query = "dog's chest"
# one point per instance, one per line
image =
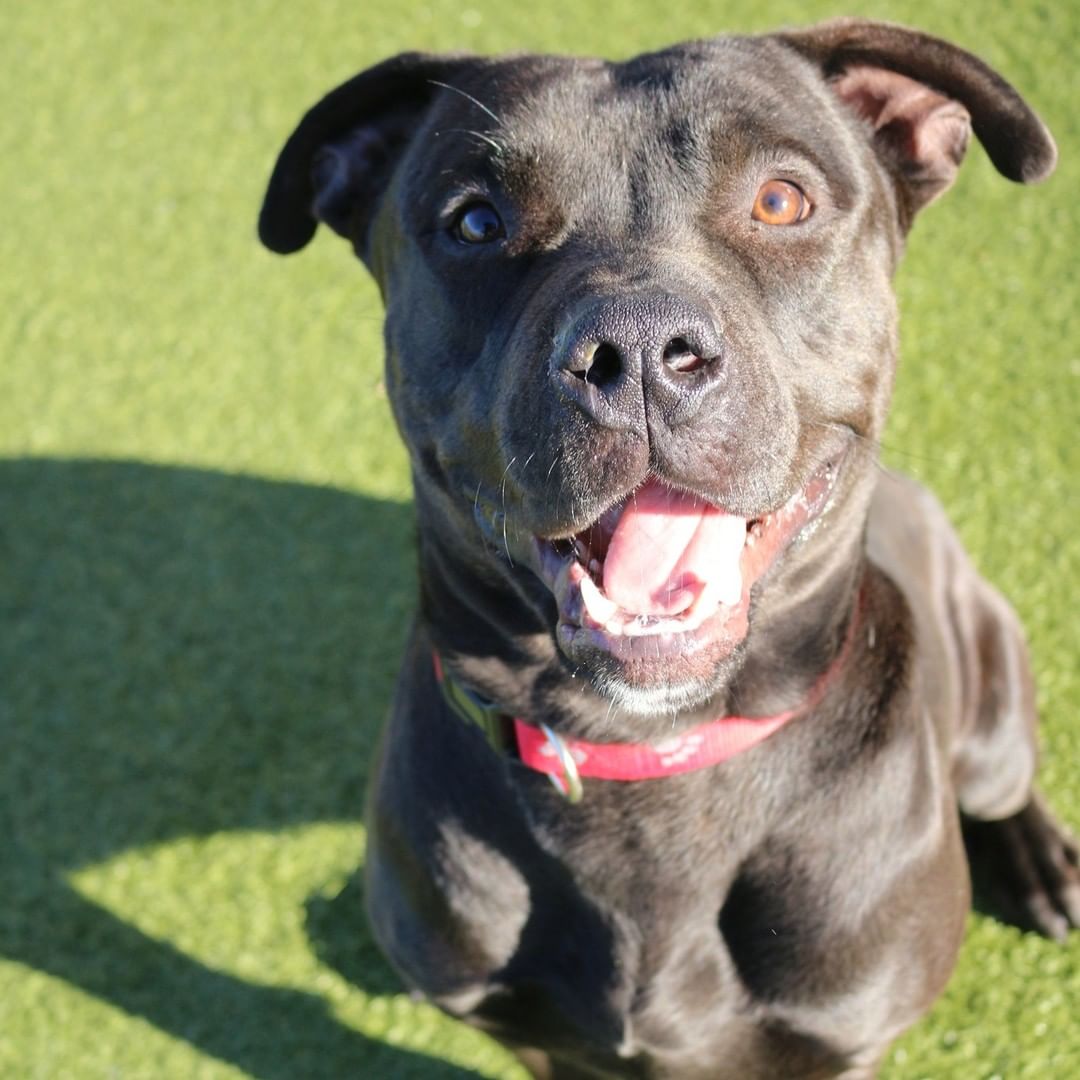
(715, 940)
(691, 949)
(698, 974)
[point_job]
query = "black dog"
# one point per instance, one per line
(640, 342)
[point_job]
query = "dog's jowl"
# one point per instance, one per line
(700, 703)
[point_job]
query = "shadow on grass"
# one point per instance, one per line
(185, 652)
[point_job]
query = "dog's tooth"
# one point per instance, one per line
(708, 603)
(733, 594)
(567, 596)
(650, 626)
(698, 614)
(595, 567)
(597, 604)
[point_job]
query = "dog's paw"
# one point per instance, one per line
(1027, 868)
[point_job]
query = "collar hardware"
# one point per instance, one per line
(569, 783)
(475, 709)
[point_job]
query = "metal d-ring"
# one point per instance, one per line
(569, 784)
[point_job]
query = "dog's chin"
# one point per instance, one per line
(657, 674)
(675, 655)
(668, 695)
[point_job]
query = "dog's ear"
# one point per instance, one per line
(339, 159)
(922, 97)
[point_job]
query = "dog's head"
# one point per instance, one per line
(639, 315)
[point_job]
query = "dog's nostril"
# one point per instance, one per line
(679, 356)
(606, 362)
(675, 348)
(600, 365)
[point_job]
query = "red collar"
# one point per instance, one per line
(566, 760)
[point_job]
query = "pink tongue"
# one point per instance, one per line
(667, 548)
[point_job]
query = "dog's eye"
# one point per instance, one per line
(478, 223)
(780, 203)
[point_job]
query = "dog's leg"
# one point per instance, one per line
(1023, 860)
(978, 674)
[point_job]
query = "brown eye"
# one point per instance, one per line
(780, 203)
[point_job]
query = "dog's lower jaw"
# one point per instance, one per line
(671, 698)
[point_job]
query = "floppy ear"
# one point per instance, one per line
(922, 97)
(335, 165)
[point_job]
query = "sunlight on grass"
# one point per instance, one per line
(263, 889)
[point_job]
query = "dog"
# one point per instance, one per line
(700, 701)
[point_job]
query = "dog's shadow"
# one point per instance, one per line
(184, 652)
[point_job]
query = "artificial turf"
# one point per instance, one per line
(206, 544)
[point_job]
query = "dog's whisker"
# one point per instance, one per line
(509, 466)
(497, 147)
(502, 496)
(468, 97)
(868, 445)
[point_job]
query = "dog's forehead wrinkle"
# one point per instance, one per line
(631, 154)
(588, 166)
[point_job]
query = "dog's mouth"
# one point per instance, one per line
(664, 573)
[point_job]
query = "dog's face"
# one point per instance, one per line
(640, 325)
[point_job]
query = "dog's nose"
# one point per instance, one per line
(624, 351)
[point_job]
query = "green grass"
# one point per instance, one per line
(205, 539)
